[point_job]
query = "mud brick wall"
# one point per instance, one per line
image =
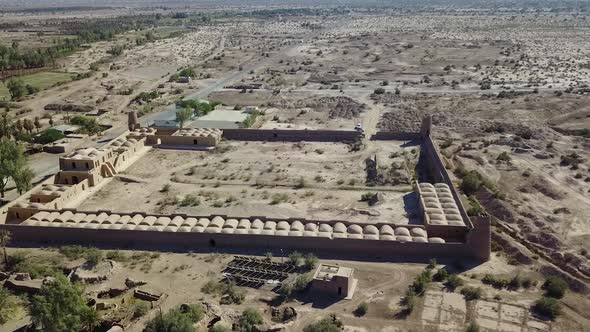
(279, 135)
(395, 136)
(323, 247)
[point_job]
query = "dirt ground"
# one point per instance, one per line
(320, 181)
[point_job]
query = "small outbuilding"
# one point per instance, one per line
(334, 280)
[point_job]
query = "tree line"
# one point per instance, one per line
(15, 57)
(13, 164)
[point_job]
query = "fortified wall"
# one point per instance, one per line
(447, 232)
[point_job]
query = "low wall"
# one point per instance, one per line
(281, 135)
(371, 249)
(395, 136)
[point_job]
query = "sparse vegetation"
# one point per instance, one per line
(547, 307)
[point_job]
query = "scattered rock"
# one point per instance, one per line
(22, 276)
(130, 283)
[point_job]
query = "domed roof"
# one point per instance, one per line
(203, 222)
(162, 221)
(257, 224)
(138, 218)
(230, 224)
(441, 185)
(198, 229)
(177, 221)
(419, 239)
(142, 227)
(191, 222)
(371, 236)
(116, 226)
(40, 215)
(217, 221)
(78, 217)
(355, 229)
(339, 228)
(149, 220)
(452, 212)
(88, 219)
(449, 205)
(325, 228)
(438, 222)
(213, 228)
(128, 227)
(446, 200)
(436, 216)
(113, 218)
(387, 237)
(370, 230)
(244, 224)
(401, 231)
(386, 230)
(255, 230)
(297, 226)
(66, 216)
(270, 225)
(417, 231)
(171, 228)
(283, 226)
(456, 223)
(184, 229)
(436, 240)
(404, 238)
(30, 222)
(311, 227)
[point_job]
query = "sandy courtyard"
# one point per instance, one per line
(321, 181)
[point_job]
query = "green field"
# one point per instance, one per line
(42, 80)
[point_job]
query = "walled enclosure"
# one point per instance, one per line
(50, 224)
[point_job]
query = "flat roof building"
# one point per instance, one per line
(334, 280)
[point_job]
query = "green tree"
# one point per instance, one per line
(176, 320)
(87, 125)
(5, 125)
(4, 305)
(471, 183)
(49, 136)
(89, 318)
(555, 287)
(18, 127)
(60, 307)
(325, 325)
(5, 237)
(249, 318)
(183, 115)
(295, 258)
(310, 261)
(362, 309)
(12, 162)
(37, 124)
(548, 307)
(29, 125)
(24, 180)
(16, 88)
